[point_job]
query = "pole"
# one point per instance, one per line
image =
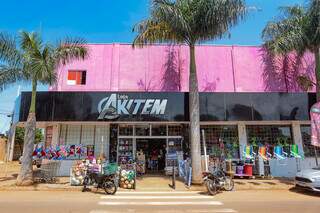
(316, 155)
(174, 175)
(205, 150)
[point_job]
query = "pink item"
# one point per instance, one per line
(315, 124)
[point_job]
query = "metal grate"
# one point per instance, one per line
(221, 140)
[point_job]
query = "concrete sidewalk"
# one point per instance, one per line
(145, 183)
(150, 184)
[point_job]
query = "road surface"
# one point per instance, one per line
(184, 202)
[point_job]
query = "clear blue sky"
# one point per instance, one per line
(105, 21)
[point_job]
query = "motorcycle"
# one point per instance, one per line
(217, 181)
(106, 182)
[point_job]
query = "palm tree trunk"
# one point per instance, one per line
(194, 119)
(25, 176)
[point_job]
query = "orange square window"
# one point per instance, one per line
(76, 77)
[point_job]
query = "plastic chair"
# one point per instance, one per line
(279, 153)
(294, 152)
(248, 153)
(263, 153)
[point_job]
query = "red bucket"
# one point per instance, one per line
(248, 170)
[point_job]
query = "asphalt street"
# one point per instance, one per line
(186, 202)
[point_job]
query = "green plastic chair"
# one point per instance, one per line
(295, 151)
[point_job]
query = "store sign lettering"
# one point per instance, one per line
(115, 105)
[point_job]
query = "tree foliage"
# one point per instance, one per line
(20, 134)
(27, 57)
(189, 21)
(296, 29)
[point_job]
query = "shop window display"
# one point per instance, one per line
(306, 141)
(125, 150)
(270, 136)
(221, 141)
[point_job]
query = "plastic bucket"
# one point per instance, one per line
(248, 170)
(239, 170)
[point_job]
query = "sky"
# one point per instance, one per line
(105, 21)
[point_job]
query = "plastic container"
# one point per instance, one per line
(239, 170)
(248, 169)
(110, 169)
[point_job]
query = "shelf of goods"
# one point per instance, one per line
(128, 176)
(125, 151)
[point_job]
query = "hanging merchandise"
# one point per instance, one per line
(72, 151)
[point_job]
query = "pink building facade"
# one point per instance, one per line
(162, 68)
(122, 100)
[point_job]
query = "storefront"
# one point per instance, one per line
(146, 126)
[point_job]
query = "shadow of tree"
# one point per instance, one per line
(281, 72)
(170, 76)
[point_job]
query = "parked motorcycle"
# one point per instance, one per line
(106, 182)
(217, 181)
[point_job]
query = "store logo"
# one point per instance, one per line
(115, 105)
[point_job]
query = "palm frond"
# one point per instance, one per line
(30, 42)
(71, 49)
(150, 32)
(314, 25)
(214, 18)
(9, 75)
(189, 21)
(176, 15)
(288, 33)
(9, 54)
(305, 82)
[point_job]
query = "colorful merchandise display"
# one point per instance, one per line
(61, 152)
(125, 151)
(127, 179)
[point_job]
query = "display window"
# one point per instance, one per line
(309, 150)
(270, 136)
(222, 141)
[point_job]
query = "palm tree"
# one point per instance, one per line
(29, 58)
(297, 30)
(190, 22)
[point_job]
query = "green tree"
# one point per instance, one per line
(297, 30)
(19, 137)
(28, 57)
(190, 22)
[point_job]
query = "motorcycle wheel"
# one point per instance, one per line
(211, 187)
(85, 184)
(229, 184)
(110, 187)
